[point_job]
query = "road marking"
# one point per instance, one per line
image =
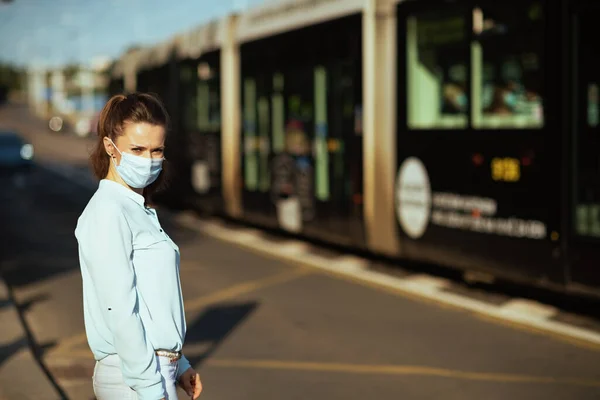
(514, 314)
(68, 357)
(399, 370)
(67, 345)
(365, 369)
(199, 303)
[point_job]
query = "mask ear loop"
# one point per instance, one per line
(115, 147)
(112, 156)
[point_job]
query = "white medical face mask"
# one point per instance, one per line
(138, 172)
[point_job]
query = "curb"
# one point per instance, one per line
(518, 313)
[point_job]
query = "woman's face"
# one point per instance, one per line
(140, 139)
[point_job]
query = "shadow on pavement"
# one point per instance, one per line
(8, 350)
(212, 327)
(24, 306)
(5, 303)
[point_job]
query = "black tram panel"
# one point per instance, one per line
(478, 183)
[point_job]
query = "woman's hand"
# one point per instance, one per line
(190, 382)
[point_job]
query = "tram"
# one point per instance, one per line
(463, 133)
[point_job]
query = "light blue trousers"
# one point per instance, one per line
(109, 383)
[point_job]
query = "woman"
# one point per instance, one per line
(133, 307)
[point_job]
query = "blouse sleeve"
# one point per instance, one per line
(108, 256)
(182, 365)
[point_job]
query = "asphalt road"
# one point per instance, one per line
(260, 328)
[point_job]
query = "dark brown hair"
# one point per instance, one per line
(120, 110)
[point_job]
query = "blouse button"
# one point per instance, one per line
(161, 230)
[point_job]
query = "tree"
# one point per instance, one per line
(11, 77)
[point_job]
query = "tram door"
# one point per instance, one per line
(585, 165)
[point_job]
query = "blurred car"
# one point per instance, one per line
(16, 153)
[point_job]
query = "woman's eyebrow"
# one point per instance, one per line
(137, 146)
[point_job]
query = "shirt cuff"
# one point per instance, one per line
(182, 365)
(154, 392)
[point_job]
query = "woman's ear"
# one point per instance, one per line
(109, 147)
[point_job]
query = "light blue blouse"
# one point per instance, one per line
(131, 289)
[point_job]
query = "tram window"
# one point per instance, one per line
(437, 60)
(588, 220)
(208, 101)
(358, 120)
(345, 124)
(299, 112)
(203, 106)
(263, 143)
(187, 83)
(586, 213)
(321, 128)
(300, 125)
(257, 132)
(507, 65)
(250, 154)
(278, 115)
(593, 111)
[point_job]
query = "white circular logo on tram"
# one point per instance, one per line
(413, 197)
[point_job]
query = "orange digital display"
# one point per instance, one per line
(506, 169)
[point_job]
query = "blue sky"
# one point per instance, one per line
(55, 32)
